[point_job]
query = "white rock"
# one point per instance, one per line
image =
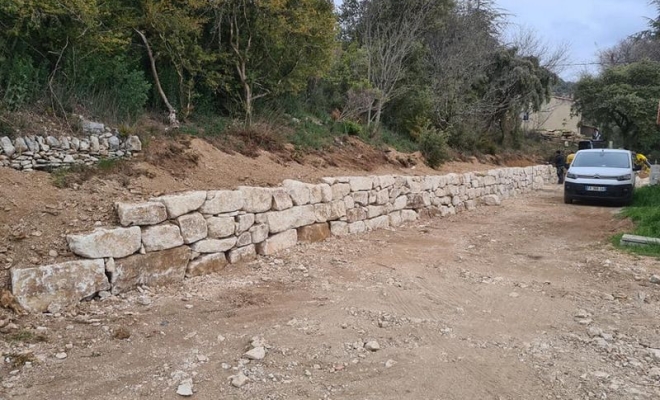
(206, 264)
(298, 191)
(222, 201)
(193, 227)
(117, 243)
(257, 353)
(161, 237)
(655, 279)
(390, 363)
(7, 146)
(382, 222)
(281, 200)
(244, 222)
(49, 287)
(491, 200)
(238, 380)
(280, 221)
(133, 143)
(339, 228)
(220, 227)
(150, 213)
(257, 200)
(359, 183)
(278, 242)
(185, 388)
(372, 345)
(214, 245)
(242, 254)
(182, 203)
(259, 233)
(61, 356)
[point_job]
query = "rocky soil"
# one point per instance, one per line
(523, 301)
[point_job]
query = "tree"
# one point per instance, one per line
(625, 100)
(275, 46)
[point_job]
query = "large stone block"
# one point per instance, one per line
(337, 210)
(244, 222)
(244, 239)
(222, 201)
(182, 203)
(491, 200)
(322, 211)
(339, 228)
(409, 216)
(206, 264)
(259, 233)
(7, 146)
(418, 200)
(357, 227)
(326, 192)
(220, 227)
(375, 211)
(150, 213)
(161, 237)
(356, 214)
(361, 198)
(299, 191)
(280, 221)
(152, 269)
(314, 233)
(278, 242)
(240, 254)
(340, 190)
(382, 222)
(62, 284)
(193, 227)
(395, 218)
(101, 243)
(257, 199)
(281, 200)
(316, 193)
(214, 245)
(361, 183)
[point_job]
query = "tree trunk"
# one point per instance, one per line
(174, 122)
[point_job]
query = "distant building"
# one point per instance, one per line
(554, 116)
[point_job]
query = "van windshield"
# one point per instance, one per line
(602, 159)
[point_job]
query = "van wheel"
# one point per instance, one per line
(568, 199)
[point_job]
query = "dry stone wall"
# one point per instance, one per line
(165, 239)
(28, 153)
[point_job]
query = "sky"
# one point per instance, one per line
(586, 26)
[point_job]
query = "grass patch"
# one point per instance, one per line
(645, 214)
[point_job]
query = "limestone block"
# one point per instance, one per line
(400, 202)
(256, 199)
(356, 214)
(281, 200)
(182, 203)
(220, 227)
(314, 233)
(340, 190)
(62, 284)
(415, 184)
(418, 200)
(206, 264)
(326, 192)
(409, 216)
(94, 145)
(52, 141)
(214, 245)
(133, 143)
(395, 218)
(349, 202)
(244, 239)
(117, 242)
(382, 222)
(222, 201)
(382, 197)
(339, 228)
(323, 211)
(278, 242)
(7, 146)
(244, 222)
(299, 191)
(151, 269)
(193, 227)
(337, 210)
(161, 237)
(361, 198)
(375, 211)
(240, 254)
(259, 233)
(20, 145)
(357, 227)
(361, 183)
(470, 205)
(386, 181)
(280, 221)
(491, 200)
(150, 213)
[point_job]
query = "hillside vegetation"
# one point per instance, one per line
(413, 74)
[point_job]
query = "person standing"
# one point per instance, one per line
(560, 164)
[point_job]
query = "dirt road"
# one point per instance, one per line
(523, 301)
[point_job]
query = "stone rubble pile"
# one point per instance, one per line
(194, 233)
(36, 152)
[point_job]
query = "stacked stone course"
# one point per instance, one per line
(167, 238)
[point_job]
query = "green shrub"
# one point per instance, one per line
(349, 128)
(20, 81)
(433, 145)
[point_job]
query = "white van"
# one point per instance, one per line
(606, 174)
